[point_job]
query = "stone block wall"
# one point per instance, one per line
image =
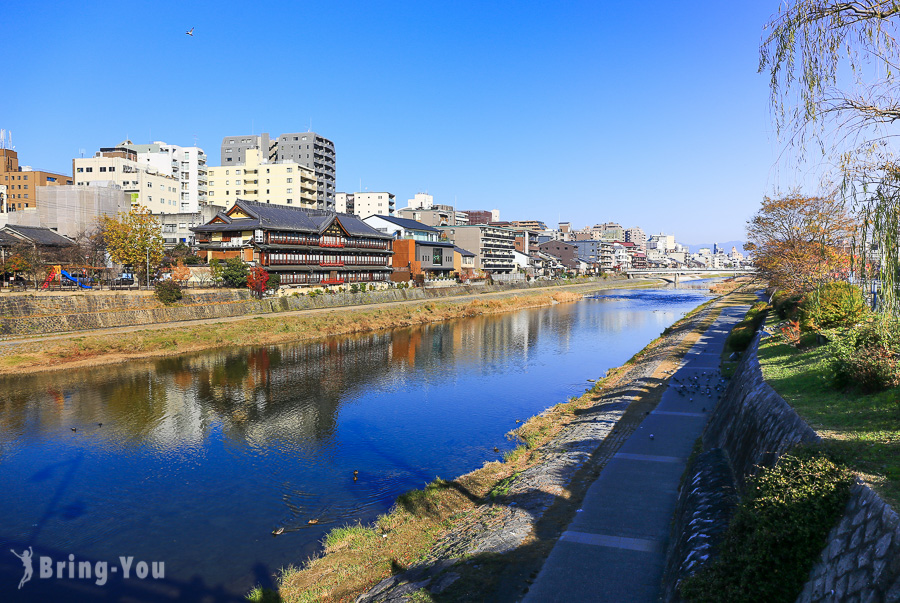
(48, 313)
(752, 426)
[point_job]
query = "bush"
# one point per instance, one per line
(193, 260)
(235, 273)
(742, 333)
(354, 288)
(867, 357)
(785, 304)
(274, 281)
(833, 305)
(777, 532)
(168, 292)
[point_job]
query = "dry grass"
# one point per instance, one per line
(94, 349)
(356, 558)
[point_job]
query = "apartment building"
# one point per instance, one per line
(119, 165)
(365, 204)
(637, 236)
(304, 148)
(493, 246)
(258, 179)
(436, 215)
(187, 165)
(22, 182)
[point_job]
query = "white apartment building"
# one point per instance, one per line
(278, 183)
(421, 201)
(365, 204)
(158, 192)
(186, 164)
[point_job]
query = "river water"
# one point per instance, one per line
(194, 460)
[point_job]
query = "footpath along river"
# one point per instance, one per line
(195, 460)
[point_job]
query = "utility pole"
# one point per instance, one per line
(148, 268)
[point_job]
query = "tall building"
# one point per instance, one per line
(155, 190)
(493, 246)
(73, 210)
(365, 204)
(255, 179)
(22, 182)
(304, 148)
(637, 236)
(186, 164)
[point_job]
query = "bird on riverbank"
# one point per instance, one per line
(277, 531)
(73, 429)
(496, 449)
(313, 522)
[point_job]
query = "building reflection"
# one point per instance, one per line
(289, 393)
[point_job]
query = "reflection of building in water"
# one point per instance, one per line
(288, 393)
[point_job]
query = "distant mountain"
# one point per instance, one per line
(727, 245)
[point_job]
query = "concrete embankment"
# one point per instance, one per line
(752, 426)
(53, 313)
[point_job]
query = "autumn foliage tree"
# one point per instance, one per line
(800, 242)
(180, 272)
(133, 238)
(258, 280)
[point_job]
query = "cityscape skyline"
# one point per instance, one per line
(583, 114)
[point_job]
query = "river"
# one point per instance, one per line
(195, 460)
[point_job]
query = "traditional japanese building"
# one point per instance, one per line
(303, 246)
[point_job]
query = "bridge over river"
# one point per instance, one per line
(676, 273)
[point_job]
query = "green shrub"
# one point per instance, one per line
(235, 273)
(168, 292)
(785, 304)
(867, 356)
(833, 305)
(777, 532)
(274, 281)
(742, 333)
(354, 288)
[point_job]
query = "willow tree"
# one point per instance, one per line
(831, 65)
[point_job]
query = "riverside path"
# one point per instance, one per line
(615, 548)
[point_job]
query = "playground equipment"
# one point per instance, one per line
(58, 271)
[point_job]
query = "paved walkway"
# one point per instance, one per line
(615, 548)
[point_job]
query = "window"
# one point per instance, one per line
(112, 168)
(237, 172)
(290, 180)
(226, 172)
(90, 169)
(228, 159)
(290, 201)
(289, 170)
(212, 193)
(79, 170)
(149, 198)
(237, 181)
(267, 180)
(295, 138)
(290, 190)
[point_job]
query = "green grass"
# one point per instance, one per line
(860, 430)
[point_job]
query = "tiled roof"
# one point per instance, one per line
(463, 252)
(267, 216)
(407, 223)
(36, 234)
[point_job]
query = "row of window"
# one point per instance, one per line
(19, 178)
(304, 278)
(326, 258)
(12, 186)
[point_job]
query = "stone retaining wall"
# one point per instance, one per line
(48, 313)
(752, 426)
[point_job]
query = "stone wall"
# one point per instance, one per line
(49, 313)
(752, 426)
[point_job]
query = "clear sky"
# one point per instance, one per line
(648, 114)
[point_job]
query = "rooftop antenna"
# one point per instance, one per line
(195, 139)
(310, 125)
(81, 151)
(2, 139)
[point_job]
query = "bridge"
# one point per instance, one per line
(676, 273)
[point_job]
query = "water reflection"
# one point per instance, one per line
(195, 459)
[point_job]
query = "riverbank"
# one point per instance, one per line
(110, 346)
(485, 534)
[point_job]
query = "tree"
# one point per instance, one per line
(180, 272)
(800, 242)
(257, 280)
(132, 238)
(831, 66)
(234, 274)
(216, 270)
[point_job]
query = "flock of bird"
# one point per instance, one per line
(703, 384)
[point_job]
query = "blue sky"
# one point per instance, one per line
(647, 114)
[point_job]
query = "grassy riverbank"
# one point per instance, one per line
(356, 558)
(114, 346)
(861, 430)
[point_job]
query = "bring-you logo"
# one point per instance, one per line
(96, 571)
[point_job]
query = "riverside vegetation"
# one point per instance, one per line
(357, 557)
(96, 348)
(836, 363)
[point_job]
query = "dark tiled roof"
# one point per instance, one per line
(463, 252)
(38, 235)
(267, 216)
(434, 244)
(406, 223)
